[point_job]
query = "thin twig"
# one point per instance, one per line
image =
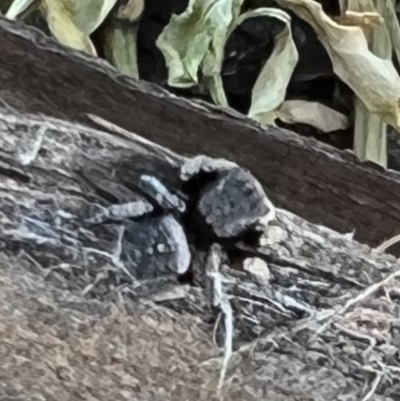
(362, 296)
(387, 244)
(215, 330)
(374, 386)
(221, 301)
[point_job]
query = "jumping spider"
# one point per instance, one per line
(223, 204)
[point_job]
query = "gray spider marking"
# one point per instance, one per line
(160, 194)
(232, 200)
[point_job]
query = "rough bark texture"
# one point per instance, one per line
(317, 182)
(74, 325)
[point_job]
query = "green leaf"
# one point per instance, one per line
(120, 47)
(199, 32)
(87, 15)
(195, 40)
(120, 37)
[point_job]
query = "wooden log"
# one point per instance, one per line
(319, 183)
(317, 322)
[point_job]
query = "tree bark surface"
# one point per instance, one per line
(320, 323)
(317, 182)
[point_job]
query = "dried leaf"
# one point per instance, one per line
(360, 13)
(364, 20)
(198, 32)
(370, 136)
(120, 37)
(270, 88)
(19, 8)
(393, 27)
(312, 113)
(72, 21)
(131, 11)
(374, 80)
(87, 15)
(63, 28)
(120, 47)
(196, 39)
(213, 60)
